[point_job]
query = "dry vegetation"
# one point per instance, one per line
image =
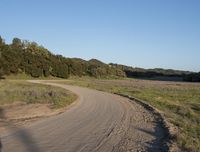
(21, 91)
(180, 103)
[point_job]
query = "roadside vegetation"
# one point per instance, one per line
(28, 58)
(21, 91)
(180, 102)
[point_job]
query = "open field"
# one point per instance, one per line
(180, 102)
(20, 91)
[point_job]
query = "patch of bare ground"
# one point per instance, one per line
(20, 114)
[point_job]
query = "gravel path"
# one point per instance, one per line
(99, 122)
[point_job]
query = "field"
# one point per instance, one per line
(20, 91)
(180, 102)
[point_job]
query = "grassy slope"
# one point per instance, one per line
(180, 102)
(16, 90)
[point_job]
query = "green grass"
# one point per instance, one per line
(180, 102)
(15, 91)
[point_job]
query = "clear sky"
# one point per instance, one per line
(140, 33)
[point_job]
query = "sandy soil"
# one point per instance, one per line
(101, 122)
(21, 114)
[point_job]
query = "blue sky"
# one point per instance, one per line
(140, 33)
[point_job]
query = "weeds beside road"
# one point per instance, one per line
(180, 102)
(20, 91)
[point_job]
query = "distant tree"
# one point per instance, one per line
(10, 60)
(36, 72)
(60, 70)
(17, 43)
(2, 42)
(1, 73)
(120, 73)
(194, 77)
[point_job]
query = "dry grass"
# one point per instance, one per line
(12, 91)
(179, 101)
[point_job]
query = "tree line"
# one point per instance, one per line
(22, 56)
(193, 77)
(158, 72)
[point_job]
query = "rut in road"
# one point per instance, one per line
(99, 122)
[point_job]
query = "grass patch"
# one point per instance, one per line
(12, 91)
(179, 101)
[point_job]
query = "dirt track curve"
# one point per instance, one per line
(98, 122)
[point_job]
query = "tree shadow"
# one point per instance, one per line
(23, 135)
(159, 143)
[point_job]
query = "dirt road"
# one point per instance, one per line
(98, 122)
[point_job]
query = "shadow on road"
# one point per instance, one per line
(21, 134)
(158, 144)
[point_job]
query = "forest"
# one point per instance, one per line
(22, 56)
(25, 57)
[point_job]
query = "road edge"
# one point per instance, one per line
(170, 130)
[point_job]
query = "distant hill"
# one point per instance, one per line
(158, 73)
(32, 59)
(24, 57)
(140, 72)
(96, 62)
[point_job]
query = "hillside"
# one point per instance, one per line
(158, 73)
(29, 58)
(34, 60)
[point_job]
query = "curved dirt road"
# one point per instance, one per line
(99, 122)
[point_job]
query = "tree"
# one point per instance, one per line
(1, 73)
(59, 70)
(17, 43)
(2, 42)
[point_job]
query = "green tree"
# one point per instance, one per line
(17, 43)
(2, 42)
(1, 73)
